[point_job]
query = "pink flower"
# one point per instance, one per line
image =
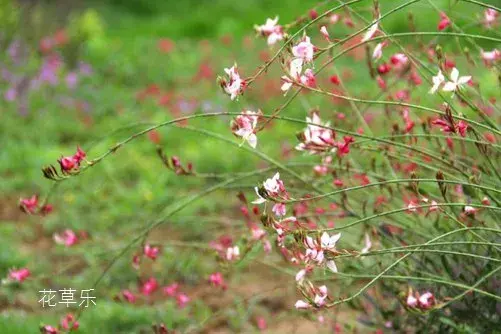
(29, 205)
(68, 322)
(234, 85)
(150, 251)
(171, 290)
(67, 238)
(244, 126)
(371, 31)
(48, 329)
(79, 155)
(182, 300)
(304, 50)
(462, 127)
(316, 139)
(490, 57)
(490, 16)
(19, 275)
(343, 148)
(308, 79)
(444, 21)
(149, 286)
(279, 209)
(129, 296)
(399, 60)
(271, 30)
(216, 279)
(261, 323)
(67, 163)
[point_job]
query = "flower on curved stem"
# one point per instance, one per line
(271, 30)
(304, 49)
(456, 81)
(234, 85)
(244, 126)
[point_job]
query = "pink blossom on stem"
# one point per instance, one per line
(19, 275)
(233, 85)
(271, 30)
(150, 286)
(171, 290)
(129, 296)
(68, 238)
(304, 50)
(182, 300)
(316, 138)
(29, 205)
(244, 126)
(150, 251)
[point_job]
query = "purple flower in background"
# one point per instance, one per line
(48, 71)
(71, 80)
(15, 51)
(11, 94)
(84, 68)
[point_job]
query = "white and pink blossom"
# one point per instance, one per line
(244, 126)
(304, 50)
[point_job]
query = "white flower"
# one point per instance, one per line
(490, 56)
(332, 266)
(469, 210)
(329, 242)
(456, 81)
(304, 50)
(437, 81)
(368, 244)
(325, 33)
(295, 68)
(232, 253)
(272, 30)
(234, 85)
(269, 26)
(378, 51)
(411, 301)
(300, 275)
(371, 31)
(272, 187)
(301, 304)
